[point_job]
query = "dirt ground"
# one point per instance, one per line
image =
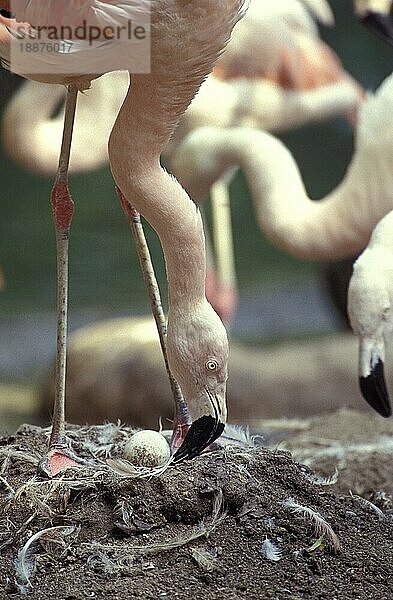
(243, 522)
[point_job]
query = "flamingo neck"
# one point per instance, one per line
(333, 228)
(186, 41)
(382, 239)
(156, 194)
(30, 136)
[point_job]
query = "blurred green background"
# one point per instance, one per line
(103, 265)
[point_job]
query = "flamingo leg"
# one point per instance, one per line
(60, 455)
(182, 421)
(226, 293)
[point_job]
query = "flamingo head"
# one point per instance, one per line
(202, 158)
(197, 347)
(370, 313)
(376, 15)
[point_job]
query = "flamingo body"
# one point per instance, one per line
(83, 59)
(276, 74)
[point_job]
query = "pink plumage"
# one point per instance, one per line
(62, 41)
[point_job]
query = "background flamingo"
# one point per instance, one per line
(376, 15)
(151, 111)
(290, 80)
(370, 287)
(370, 297)
(277, 74)
(337, 226)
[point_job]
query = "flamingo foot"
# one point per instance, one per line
(180, 430)
(59, 458)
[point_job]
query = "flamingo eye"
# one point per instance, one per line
(211, 365)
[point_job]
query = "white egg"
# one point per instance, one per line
(147, 448)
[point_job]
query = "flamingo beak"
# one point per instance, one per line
(380, 23)
(204, 430)
(6, 12)
(372, 378)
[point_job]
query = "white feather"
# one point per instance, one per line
(271, 551)
(25, 563)
(239, 433)
(322, 527)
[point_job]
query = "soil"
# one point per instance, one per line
(199, 529)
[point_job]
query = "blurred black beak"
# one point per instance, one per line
(7, 14)
(381, 24)
(203, 432)
(374, 391)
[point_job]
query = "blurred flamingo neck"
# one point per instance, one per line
(307, 229)
(328, 229)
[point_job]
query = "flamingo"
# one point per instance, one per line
(33, 138)
(288, 78)
(370, 296)
(337, 226)
(276, 74)
(186, 40)
(376, 15)
(370, 286)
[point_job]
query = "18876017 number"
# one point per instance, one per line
(41, 47)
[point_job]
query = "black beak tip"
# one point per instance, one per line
(374, 391)
(203, 432)
(380, 24)
(7, 14)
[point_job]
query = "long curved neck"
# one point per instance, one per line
(29, 134)
(32, 133)
(150, 113)
(155, 194)
(335, 227)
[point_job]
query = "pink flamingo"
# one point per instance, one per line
(340, 224)
(370, 296)
(370, 287)
(186, 40)
(276, 74)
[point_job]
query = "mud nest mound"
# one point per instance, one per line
(243, 522)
